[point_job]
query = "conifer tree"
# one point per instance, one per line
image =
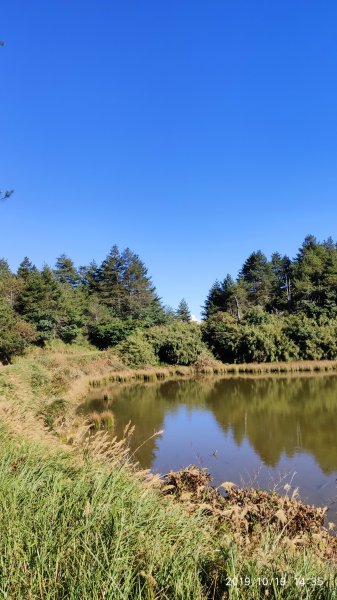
(213, 301)
(110, 287)
(140, 300)
(40, 302)
(25, 268)
(256, 275)
(9, 284)
(183, 311)
(65, 271)
(89, 277)
(281, 282)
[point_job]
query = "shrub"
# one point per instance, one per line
(306, 334)
(109, 333)
(177, 343)
(257, 338)
(136, 351)
(222, 334)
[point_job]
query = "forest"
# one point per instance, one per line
(278, 309)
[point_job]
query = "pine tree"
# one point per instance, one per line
(257, 275)
(183, 311)
(4, 268)
(224, 297)
(140, 300)
(213, 301)
(41, 302)
(89, 277)
(9, 284)
(65, 271)
(281, 282)
(110, 288)
(315, 278)
(25, 268)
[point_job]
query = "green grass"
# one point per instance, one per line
(75, 527)
(86, 530)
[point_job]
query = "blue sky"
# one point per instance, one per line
(193, 132)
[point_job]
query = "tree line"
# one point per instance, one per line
(277, 309)
(102, 303)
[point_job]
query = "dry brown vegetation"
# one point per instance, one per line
(246, 512)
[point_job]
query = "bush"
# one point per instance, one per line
(257, 338)
(306, 334)
(222, 335)
(178, 343)
(111, 332)
(136, 351)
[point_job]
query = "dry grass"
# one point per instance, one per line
(246, 513)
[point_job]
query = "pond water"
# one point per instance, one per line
(260, 431)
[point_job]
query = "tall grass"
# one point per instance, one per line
(84, 530)
(73, 526)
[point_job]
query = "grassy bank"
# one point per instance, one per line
(210, 368)
(88, 529)
(78, 521)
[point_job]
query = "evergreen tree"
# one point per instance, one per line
(4, 268)
(15, 334)
(65, 271)
(111, 289)
(315, 278)
(9, 284)
(25, 268)
(257, 276)
(140, 300)
(89, 277)
(40, 302)
(226, 296)
(183, 311)
(213, 302)
(281, 282)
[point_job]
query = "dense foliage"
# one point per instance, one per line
(278, 309)
(104, 304)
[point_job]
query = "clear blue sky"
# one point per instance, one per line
(193, 132)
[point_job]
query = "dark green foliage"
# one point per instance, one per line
(275, 310)
(281, 282)
(109, 333)
(176, 343)
(256, 276)
(15, 334)
(137, 351)
(103, 303)
(125, 288)
(301, 294)
(25, 268)
(221, 332)
(10, 285)
(65, 271)
(40, 302)
(183, 311)
(89, 277)
(226, 296)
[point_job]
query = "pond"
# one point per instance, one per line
(260, 431)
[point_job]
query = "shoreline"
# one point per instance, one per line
(248, 524)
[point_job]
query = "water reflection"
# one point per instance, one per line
(235, 427)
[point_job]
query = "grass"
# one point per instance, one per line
(80, 529)
(77, 521)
